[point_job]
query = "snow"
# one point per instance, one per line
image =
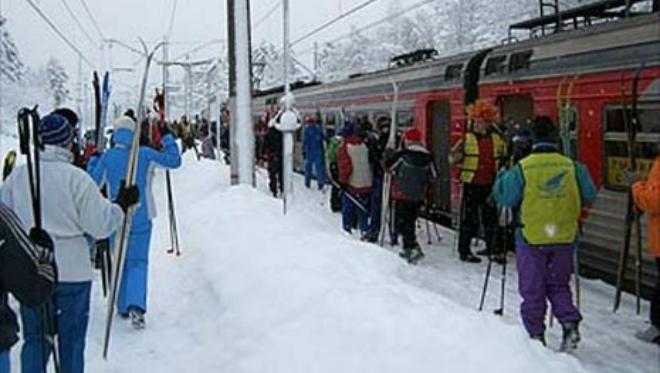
(258, 292)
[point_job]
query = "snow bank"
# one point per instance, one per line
(257, 292)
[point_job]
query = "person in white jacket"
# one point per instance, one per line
(72, 207)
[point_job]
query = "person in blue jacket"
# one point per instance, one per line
(549, 191)
(110, 169)
(314, 153)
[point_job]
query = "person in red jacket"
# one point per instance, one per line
(356, 178)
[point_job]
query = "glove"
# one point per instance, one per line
(44, 243)
(630, 177)
(164, 129)
(127, 197)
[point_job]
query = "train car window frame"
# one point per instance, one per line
(454, 72)
(615, 140)
(495, 65)
(520, 60)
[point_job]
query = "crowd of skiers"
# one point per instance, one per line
(518, 193)
(50, 269)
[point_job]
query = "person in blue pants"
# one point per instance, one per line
(314, 153)
(110, 169)
(72, 207)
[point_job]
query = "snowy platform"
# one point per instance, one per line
(257, 292)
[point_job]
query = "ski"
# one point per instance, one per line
(387, 177)
(632, 222)
(565, 114)
(121, 237)
(174, 231)
(28, 121)
(103, 120)
(96, 85)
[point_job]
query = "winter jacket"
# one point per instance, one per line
(313, 141)
(510, 185)
(415, 155)
(111, 169)
(24, 272)
(72, 207)
(331, 152)
(273, 144)
(647, 198)
(354, 168)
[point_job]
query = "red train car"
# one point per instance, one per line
(525, 79)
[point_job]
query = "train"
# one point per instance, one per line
(588, 70)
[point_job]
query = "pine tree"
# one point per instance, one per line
(57, 82)
(11, 66)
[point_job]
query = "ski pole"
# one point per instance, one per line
(500, 311)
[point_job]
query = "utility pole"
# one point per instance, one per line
(243, 107)
(289, 121)
(233, 163)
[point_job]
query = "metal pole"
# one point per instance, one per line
(166, 78)
(287, 137)
(233, 163)
(243, 120)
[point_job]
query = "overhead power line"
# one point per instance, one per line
(59, 33)
(198, 48)
(377, 23)
(270, 12)
(80, 26)
(169, 29)
(91, 17)
(333, 21)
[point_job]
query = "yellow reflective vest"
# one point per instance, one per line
(471, 155)
(551, 203)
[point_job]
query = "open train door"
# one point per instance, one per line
(439, 140)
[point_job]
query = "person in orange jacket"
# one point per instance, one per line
(647, 198)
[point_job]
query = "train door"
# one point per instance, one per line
(517, 109)
(438, 138)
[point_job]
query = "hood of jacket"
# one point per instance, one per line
(123, 138)
(52, 153)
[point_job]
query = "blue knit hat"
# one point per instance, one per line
(54, 129)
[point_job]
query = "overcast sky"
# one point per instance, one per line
(195, 22)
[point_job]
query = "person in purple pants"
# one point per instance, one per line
(549, 191)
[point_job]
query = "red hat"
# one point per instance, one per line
(413, 135)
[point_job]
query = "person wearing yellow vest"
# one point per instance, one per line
(647, 198)
(479, 155)
(549, 190)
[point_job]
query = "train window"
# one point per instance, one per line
(520, 61)
(453, 72)
(404, 119)
(616, 143)
(330, 120)
(495, 65)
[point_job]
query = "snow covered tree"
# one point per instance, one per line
(57, 82)
(11, 66)
(268, 65)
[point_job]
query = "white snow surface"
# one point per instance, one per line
(258, 292)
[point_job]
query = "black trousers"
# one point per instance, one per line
(476, 211)
(655, 301)
(406, 219)
(275, 176)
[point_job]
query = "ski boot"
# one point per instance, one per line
(137, 318)
(415, 255)
(571, 337)
(539, 338)
(650, 335)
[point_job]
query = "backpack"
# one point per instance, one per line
(412, 180)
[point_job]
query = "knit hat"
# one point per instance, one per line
(413, 135)
(125, 122)
(54, 129)
(70, 116)
(348, 129)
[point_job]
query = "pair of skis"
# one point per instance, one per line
(632, 223)
(122, 235)
(566, 115)
(28, 120)
(385, 217)
(101, 101)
